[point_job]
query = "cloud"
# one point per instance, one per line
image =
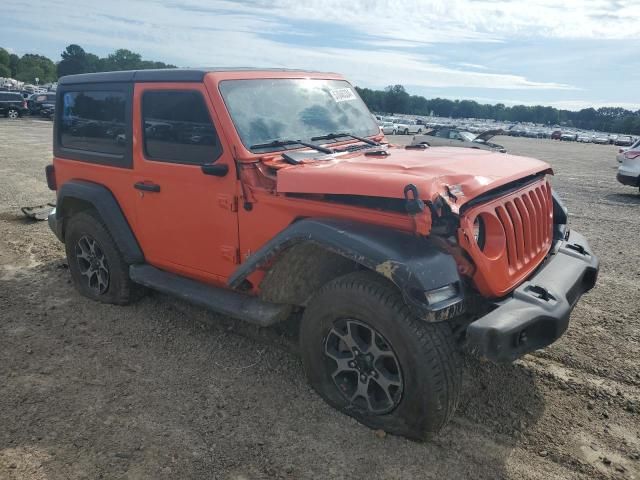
(374, 43)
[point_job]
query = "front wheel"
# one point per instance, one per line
(367, 355)
(13, 113)
(406, 131)
(394, 132)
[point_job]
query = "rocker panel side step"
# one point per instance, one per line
(226, 302)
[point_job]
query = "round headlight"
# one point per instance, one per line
(478, 232)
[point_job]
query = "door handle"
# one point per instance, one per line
(147, 187)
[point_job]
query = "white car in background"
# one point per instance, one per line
(629, 169)
(407, 127)
(620, 156)
(388, 128)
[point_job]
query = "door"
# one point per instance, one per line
(185, 180)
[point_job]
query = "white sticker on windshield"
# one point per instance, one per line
(342, 94)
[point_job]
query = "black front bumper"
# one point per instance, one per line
(537, 312)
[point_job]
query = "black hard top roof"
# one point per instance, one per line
(159, 75)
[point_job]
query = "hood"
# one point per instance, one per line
(489, 134)
(466, 173)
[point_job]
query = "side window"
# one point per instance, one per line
(93, 121)
(442, 133)
(178, 128)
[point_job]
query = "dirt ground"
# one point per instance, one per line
(163, 390)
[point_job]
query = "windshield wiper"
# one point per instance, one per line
(284, 143)
(333, 136)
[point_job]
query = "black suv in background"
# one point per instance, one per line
(12, 104)
(42, 103)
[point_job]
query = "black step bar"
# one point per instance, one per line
(220, 300)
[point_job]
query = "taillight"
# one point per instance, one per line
(50, 172)
(632, 154)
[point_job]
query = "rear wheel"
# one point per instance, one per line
(406, 131)
(97, 266)
(367, 355)
(13, 113)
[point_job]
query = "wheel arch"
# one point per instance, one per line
(79, 195)
(332, 248)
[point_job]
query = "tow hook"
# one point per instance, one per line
(540, 292)
(415, 208)
(578, 248)
(414, 205)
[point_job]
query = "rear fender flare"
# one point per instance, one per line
(103, 201)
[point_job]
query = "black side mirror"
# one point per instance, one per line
(219, 170)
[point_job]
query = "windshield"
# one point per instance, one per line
(467, 136)
(265, 110)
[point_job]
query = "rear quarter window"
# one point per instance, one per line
(93, 123)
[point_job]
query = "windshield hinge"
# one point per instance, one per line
(228, 202)
(230, 253)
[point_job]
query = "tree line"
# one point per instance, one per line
(74, 59)
(395, 99)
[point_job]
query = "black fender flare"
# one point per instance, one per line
(104, 202)
(412, 263)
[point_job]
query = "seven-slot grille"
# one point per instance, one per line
(527, 222)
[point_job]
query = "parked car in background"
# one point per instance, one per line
(624, 141)
(629, 169)
(584, 139)
(408, 127)
(12, 105)
(556, 134)
(38, 101)
(621, 152)
(452, 137)
(601, 139)
(388, 128)
(569, 137)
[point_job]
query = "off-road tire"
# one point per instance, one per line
(430, 363)
(12, 113)
(120, 290)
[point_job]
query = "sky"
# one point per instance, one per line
(568, 54)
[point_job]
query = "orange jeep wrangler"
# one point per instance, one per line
(271, 195)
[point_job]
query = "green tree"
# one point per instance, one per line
(13, 64)
(5, 63)
(31, 66)
(121, 59)
(396, 99)
(74, 60)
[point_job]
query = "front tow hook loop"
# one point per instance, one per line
(414, 205)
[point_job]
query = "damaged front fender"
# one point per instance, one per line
(413, 263)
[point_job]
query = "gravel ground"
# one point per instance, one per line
(163, 390)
